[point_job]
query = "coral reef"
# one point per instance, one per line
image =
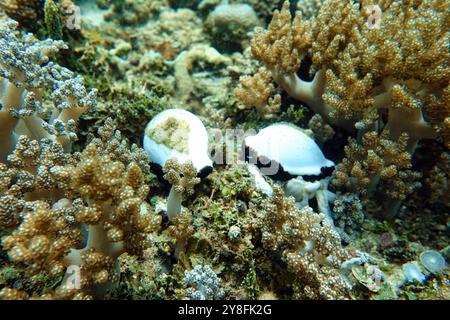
(322, 131)
(45, 18)
(257, 91)
(378, 164)
(348, 215)
(132, 12)
(53, 20)
(356, 73)
(90, 216)
(229, 25)
(309, 8)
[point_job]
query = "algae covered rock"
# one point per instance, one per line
(229, 25)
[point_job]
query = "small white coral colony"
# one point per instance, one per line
(179, 134)
(287, 145)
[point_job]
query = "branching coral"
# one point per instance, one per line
(26, 78)
(309, 8)
(307, 243)
(437, 180)
(27, 175)
(348, 214)
(53, 196)
(322, 131)
(181, 230)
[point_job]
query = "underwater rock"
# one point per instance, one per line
(229, 25)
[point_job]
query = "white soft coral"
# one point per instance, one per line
(26, 76)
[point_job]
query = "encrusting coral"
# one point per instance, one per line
(53, 196)
(27, 78)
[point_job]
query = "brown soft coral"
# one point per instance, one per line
(14, 294)
(27, 12)
(437, 179)
(307, 243)
(256, 91)
(396, 66)
(52, 195)
(45, 236)
(378, 162)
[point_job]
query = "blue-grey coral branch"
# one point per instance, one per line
(26, 78)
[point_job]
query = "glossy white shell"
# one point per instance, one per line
(197, 141)
(286, 144)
